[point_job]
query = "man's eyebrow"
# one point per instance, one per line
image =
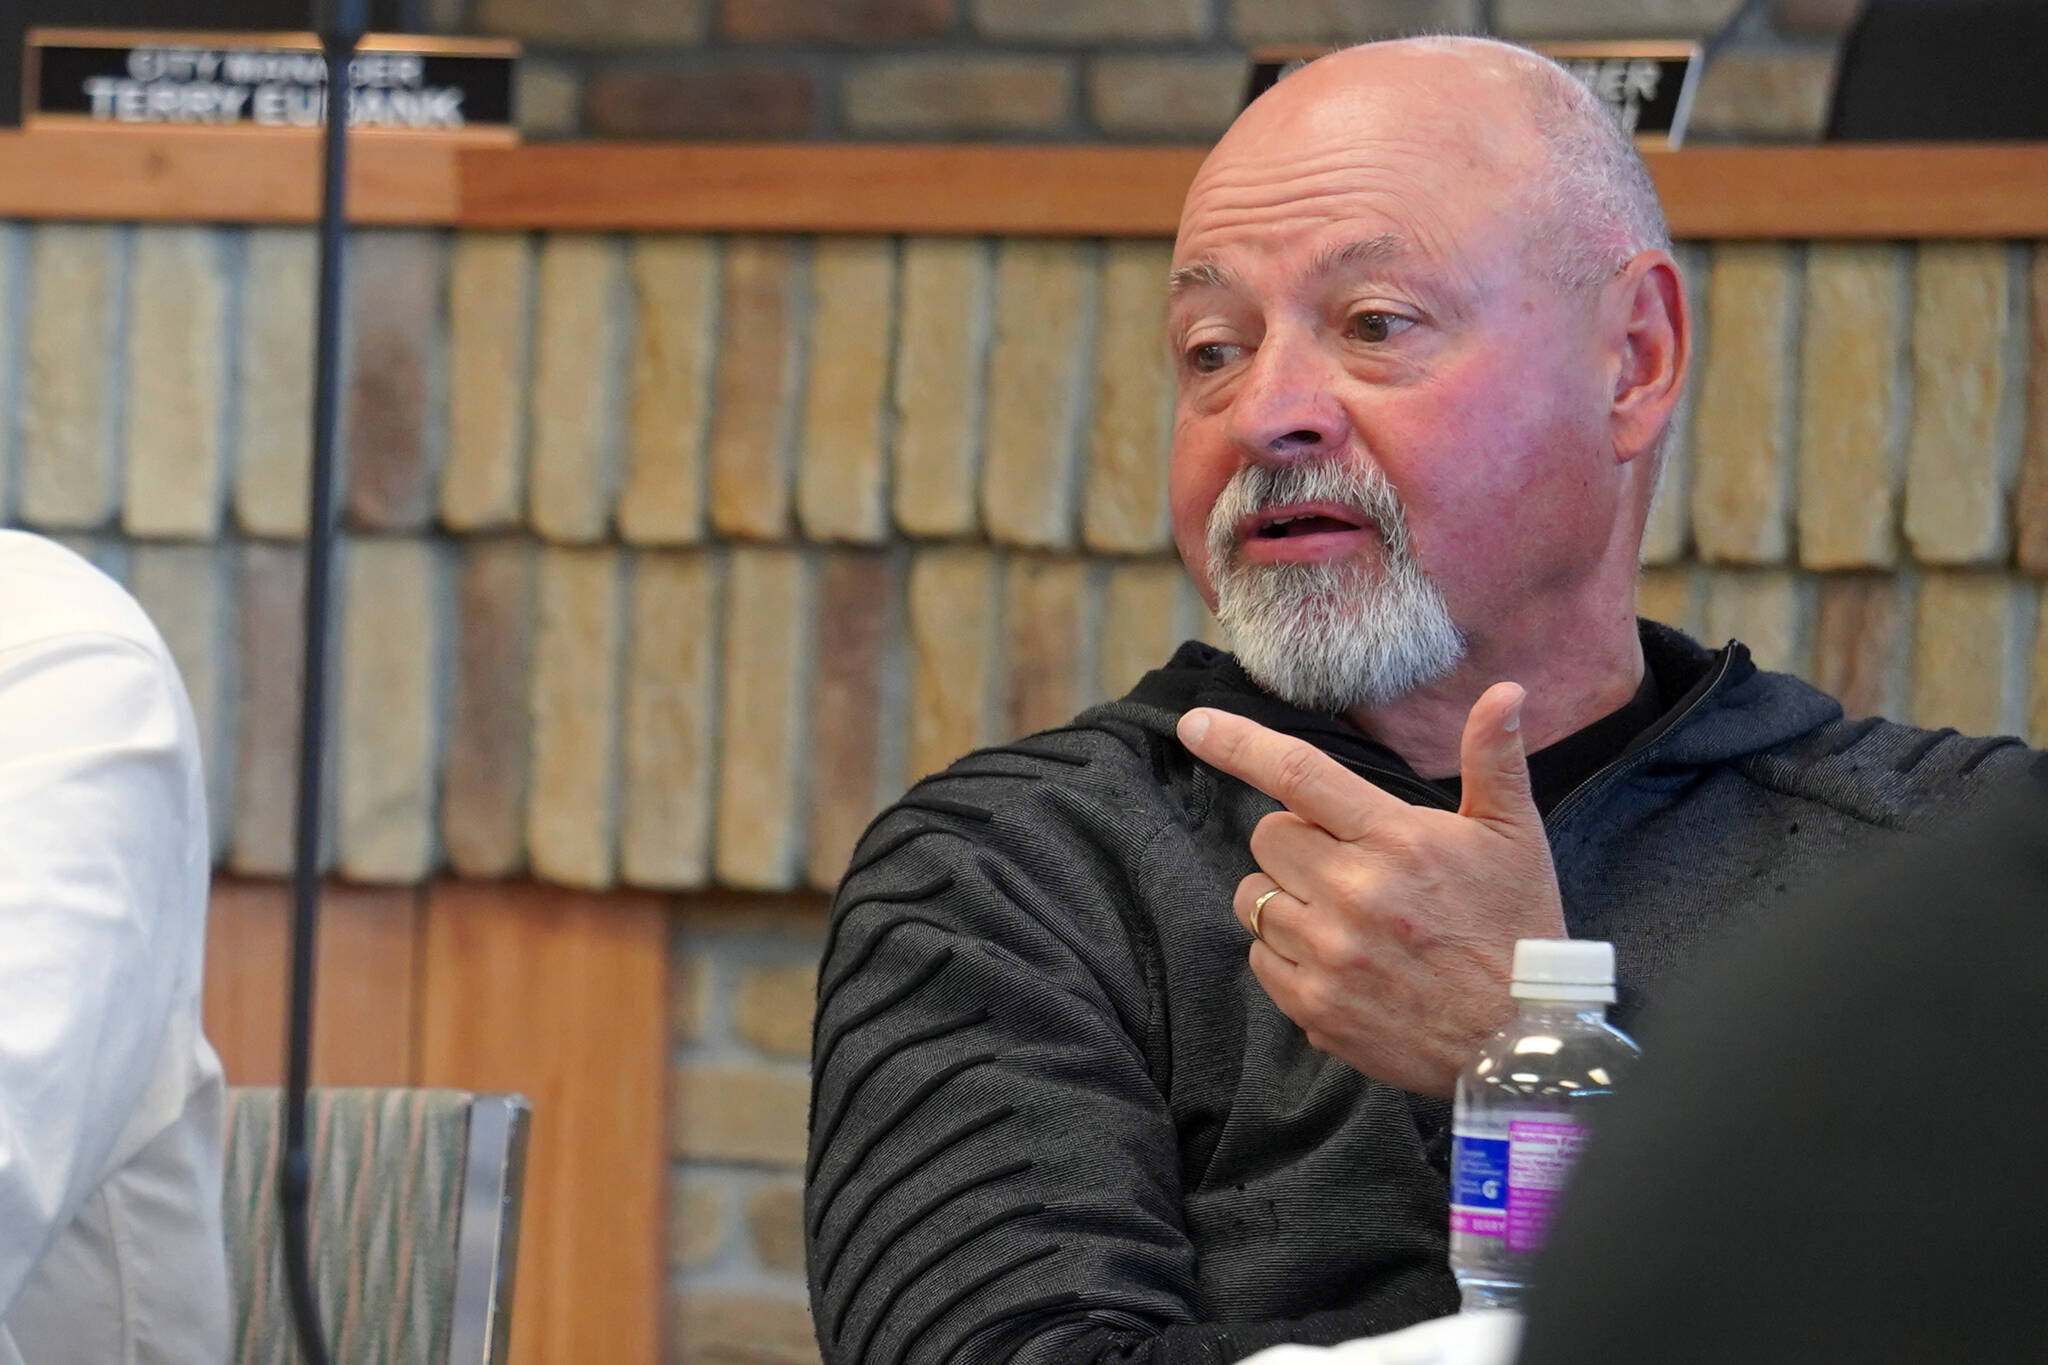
(1366, 251)
(1202, 274)
(1382, 249)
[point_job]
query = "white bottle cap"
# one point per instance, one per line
(1563, 969)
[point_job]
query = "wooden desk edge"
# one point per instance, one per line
(1717, 193)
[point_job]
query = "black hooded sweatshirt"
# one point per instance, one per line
(1054, 1116)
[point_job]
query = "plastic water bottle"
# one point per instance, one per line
(1523, 1105)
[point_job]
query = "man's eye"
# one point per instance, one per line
(1371, 326)
(1210, 356)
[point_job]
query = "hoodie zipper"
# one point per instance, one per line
(1621, 765)
(1388, 780)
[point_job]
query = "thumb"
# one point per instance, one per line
(1491, 764)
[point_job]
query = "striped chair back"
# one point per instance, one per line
(413, 1224)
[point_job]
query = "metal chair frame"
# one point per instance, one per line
(488, 1199)
(487, 1238)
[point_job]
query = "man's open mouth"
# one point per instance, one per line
(1302, 526)
(1289, 523)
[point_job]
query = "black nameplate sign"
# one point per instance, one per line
(1649, 86)
(397, 83)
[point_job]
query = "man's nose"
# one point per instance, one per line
(1285, 409)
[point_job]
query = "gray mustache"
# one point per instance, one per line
(1255, 488)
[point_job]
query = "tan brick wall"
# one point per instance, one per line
(675, 571)
(744, 973)
(665, 571)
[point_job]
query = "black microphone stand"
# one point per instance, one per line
(340, 24)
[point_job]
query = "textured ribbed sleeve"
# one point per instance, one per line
(994, 1173)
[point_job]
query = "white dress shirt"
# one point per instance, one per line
(110, 1097)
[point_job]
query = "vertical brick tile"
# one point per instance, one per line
(712, 1327)
(772, 1006)
(490, 722)
(1041, 642)
(1337, 21)
(182, 589)
(1667, 595)
(833, 21)
(675, 286)
(1073, 22)
(1038, 361)
(1955, 461)
(490, 330)
(841, 468)
(698, 1221)
(1667, 536)
(576, 362)
(1140, 622)
(1739, 509)
(274, 419)
(2037, 698)
(740, 1113)
(849, 711)
(268, 627)
(1859, 655)
(952, 603)
(2033, 480)
(752, 101)
(951, 95)
(689, 980)
(387, 767)
(1612, 18)
(569, 812)
(177, 353)
(1194, 98)
(67, 456)
(396, 287)
(753, 396)
(1125, 507)
(595, 23)
(775, 1220)
(665, 829)
(1965, 628)
(1759, 93)
(1766, 610)
(547, 96)
(763, 739)
(1849, 369)
(938, 391)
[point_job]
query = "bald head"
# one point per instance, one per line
(1556, 158)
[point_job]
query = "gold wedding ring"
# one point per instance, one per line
(1258, 906)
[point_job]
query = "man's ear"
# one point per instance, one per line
(1653, 350)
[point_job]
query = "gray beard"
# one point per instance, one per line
(1332, 636)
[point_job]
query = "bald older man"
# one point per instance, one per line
(1134, 1037)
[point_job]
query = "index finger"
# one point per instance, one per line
(1293, 772)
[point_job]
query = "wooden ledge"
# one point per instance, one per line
(218, 177)
(1715, 193)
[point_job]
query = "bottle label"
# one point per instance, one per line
(1479, 1185)
(1540, 1157)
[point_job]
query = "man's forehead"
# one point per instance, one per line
(1333, 258)
(1431, 138)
